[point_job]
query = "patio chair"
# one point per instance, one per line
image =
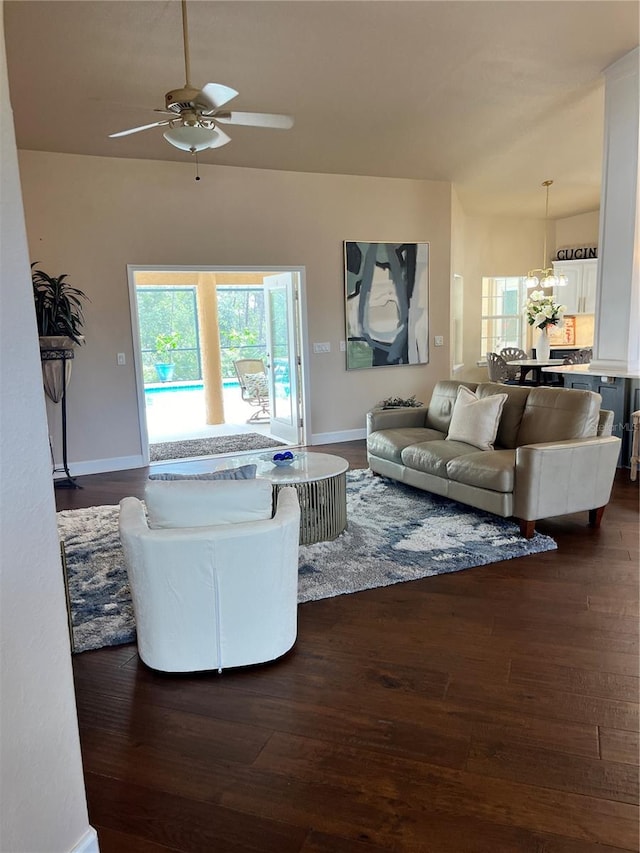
(498, 370)
(511, 354)
(582, 356)
(254, 387)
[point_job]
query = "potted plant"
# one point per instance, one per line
(60, 319)
(165, 346)
(58, 307)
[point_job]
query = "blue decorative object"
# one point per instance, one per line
(282, 459)
(165, 371)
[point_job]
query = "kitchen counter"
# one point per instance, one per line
(620, 392)
(585, 370)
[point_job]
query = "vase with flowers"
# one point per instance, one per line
(544, 313)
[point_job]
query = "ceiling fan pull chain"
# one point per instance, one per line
(195, 154)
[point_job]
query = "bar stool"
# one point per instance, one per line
(635, 442)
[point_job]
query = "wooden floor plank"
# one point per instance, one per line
(493, 709)
(575, 680)
(616, 745)
(120, 842)
(540, 733)
(569, 815)
(593, 777)
(187, 825)
(546, 702)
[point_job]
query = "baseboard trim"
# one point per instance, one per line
(102, 466)
(88, 843)
(335, 437)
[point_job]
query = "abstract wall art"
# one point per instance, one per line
(387, 303)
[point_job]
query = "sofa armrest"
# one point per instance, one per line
(396, 418)
(562, 477)
(605, 422)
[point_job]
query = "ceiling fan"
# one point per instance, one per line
(194, 115)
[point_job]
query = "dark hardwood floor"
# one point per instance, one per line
(488, 711)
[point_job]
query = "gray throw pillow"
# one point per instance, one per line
(244, 472)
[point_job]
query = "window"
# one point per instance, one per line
(457, 320)
(164, 310)
(241, 321)
(503, 301)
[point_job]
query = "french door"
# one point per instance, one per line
(283, 361)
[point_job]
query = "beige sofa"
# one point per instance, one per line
(554, 453)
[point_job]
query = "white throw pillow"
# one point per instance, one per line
(475, 421)
(201, 503)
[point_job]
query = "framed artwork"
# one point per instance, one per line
(386, 303)
(566, 334)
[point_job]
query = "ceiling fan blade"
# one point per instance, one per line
(214, 95)
(138, 129)
(220, 140)
(256, 119)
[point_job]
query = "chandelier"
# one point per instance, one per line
(545, 276)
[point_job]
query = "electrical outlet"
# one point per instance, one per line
(325, 346)
(121, 359)
(343, 346)
(438, 341)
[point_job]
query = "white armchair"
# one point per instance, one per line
(213, 597)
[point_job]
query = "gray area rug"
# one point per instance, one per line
(395, 533)
(167, 450)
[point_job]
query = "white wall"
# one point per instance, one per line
(575, 231)
(91, 216)
(42, 807)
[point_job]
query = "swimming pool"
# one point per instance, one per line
(198, 385)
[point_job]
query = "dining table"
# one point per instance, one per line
(535, 365)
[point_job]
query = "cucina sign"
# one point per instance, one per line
(580, 254)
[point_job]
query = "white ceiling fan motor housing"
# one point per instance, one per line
(187, 98)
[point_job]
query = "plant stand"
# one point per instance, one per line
(62, 355)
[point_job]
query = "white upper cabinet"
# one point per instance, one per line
(579, 295)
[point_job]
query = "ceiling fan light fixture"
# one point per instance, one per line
(189, 138)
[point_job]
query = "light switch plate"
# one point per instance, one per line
(121, 359)
(438, 341)
(325, 346)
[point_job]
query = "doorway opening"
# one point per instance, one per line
(196, 332)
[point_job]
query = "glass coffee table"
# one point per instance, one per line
(320, 481)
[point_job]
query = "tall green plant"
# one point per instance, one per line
(166, 344)
(58, 305)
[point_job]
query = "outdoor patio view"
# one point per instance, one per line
(172, 358)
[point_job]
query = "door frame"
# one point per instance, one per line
(283, 429)
(300, 310)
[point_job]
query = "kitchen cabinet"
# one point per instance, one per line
(579, 295)
(621, 395)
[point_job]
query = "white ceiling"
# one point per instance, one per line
(493, 96)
